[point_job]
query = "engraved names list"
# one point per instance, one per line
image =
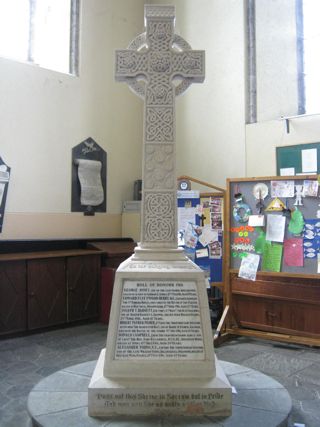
(159, 320)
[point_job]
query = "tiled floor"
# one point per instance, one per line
(26, 360)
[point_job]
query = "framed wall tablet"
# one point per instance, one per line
(298, 159)
(4, 184)
(275, 221)
(89, 169)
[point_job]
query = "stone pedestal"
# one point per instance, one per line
(158, 396)
(159, 357)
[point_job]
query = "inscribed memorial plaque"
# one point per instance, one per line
(159, 320)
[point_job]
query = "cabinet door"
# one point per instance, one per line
(13, 296)
(254, 313)
(83, 278)
(47, 299)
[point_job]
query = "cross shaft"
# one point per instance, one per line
(150, 66)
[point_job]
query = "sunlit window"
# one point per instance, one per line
(44, 32)
(311, 48)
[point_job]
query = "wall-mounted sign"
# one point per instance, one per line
(89, 165)
(4, 183)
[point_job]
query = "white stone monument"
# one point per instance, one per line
(159, 357)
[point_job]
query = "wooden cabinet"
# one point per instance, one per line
(47, 296)
(282, 305)
(13, 299)
(43, 289)
(82, 285)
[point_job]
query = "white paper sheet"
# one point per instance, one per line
(275, 228)
(256, 221)
(186, 215)
(309, 160)
(287, 171)
(202, 253)
(249, 266)
(208, 235)
(282, 188)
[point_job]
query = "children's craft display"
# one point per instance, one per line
(283, 228)
(200, 228)
(272, 279)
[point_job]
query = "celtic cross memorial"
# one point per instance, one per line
(150, 66)
(159, 357)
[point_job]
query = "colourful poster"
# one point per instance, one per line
(272, 256)
(293, 252)
(311, 238)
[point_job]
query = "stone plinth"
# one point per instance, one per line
(159, 357)
(156, 396)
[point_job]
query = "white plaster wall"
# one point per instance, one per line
(44, 114)
(263, 138)
(210, 131)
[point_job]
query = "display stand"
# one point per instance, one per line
(279, 305)
(216, 295)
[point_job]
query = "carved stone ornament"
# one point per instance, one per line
(159, 65)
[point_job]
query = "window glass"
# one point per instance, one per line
(41, 32)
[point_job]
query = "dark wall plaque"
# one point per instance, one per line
(89, 178)
(4, 184)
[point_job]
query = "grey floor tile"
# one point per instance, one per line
(277, 363)
(26, 360)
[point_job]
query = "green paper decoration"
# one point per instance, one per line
(272, 256)
(260, 242)
(296, 222)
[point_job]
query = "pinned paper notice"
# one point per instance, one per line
(208, 235)
(275, 228)
(256, 220)
(202, 253)
(287, 171)
(309, 160)
(249, 266)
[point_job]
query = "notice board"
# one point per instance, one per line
(292, 156)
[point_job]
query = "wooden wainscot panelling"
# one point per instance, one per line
(46, 292)
(13, 301)
(285, 305)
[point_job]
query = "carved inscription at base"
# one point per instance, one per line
(159, 320)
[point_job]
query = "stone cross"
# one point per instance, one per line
(159, 65)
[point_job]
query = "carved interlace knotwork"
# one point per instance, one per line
(138, 42)
(159, 91)
(159, 35)
(159, 124)
(132, 63)
(188, 63)
(158, 66)
(159, 222)
(159, 167)
(162, 11)
(180, 43)
(160, 62)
